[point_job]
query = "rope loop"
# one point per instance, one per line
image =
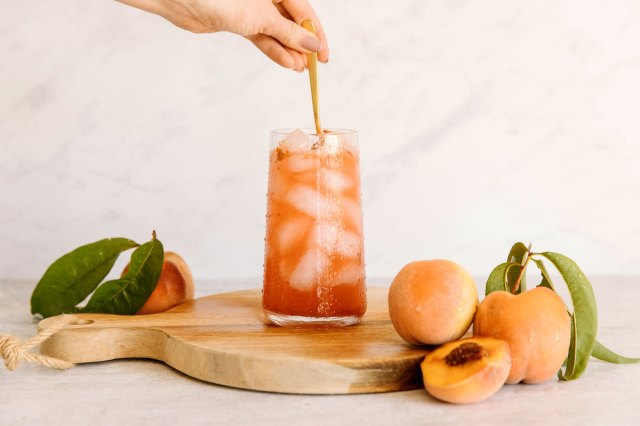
(13, 350)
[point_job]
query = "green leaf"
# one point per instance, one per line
(71, 278)
(572, 354)
(546, 278)
(584, 318)
(497, 280)
(603, 353)
(518, 254)
(125, 296)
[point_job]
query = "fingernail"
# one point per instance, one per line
(310, 43)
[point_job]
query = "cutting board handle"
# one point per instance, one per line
(93, 341)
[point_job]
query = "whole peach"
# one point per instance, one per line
(536, 325)
(174, 286)
(432, 302)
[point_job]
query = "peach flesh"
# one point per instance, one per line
(467, 371)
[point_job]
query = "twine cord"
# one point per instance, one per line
(13, 350)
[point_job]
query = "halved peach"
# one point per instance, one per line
(174, 286)
(467, 370)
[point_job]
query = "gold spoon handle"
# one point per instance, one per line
(312, 61)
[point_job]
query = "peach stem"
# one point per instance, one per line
(516, 285)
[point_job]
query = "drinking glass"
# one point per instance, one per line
(314, 253)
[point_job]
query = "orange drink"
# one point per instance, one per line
(314, 252)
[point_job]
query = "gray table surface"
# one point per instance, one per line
(149, 392)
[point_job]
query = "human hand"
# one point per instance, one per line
(273, 26)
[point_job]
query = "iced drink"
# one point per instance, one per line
(314, 258)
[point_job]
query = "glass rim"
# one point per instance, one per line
(312, 132)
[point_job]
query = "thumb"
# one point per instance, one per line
(292, 35)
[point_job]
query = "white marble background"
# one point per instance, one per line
(481, 123)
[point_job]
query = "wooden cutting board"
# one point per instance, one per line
(225, 339)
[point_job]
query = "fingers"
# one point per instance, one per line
(284, 13)
(300, 58)
(290, 34)
(300, 10)
(279, 54)
(282, 10)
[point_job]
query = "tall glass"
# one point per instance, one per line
(314, 250)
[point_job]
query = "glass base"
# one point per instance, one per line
(300, 321)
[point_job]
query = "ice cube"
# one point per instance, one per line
(307, 200)
(351, 273)
(296, 141)
(353, 214)
(313, 264)
(277, 188)
(349, 245)
(307, 178)
(285, 267)
(291, 232)
(332, 145)
(337, 182)
(325, 235)
(299, 163)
